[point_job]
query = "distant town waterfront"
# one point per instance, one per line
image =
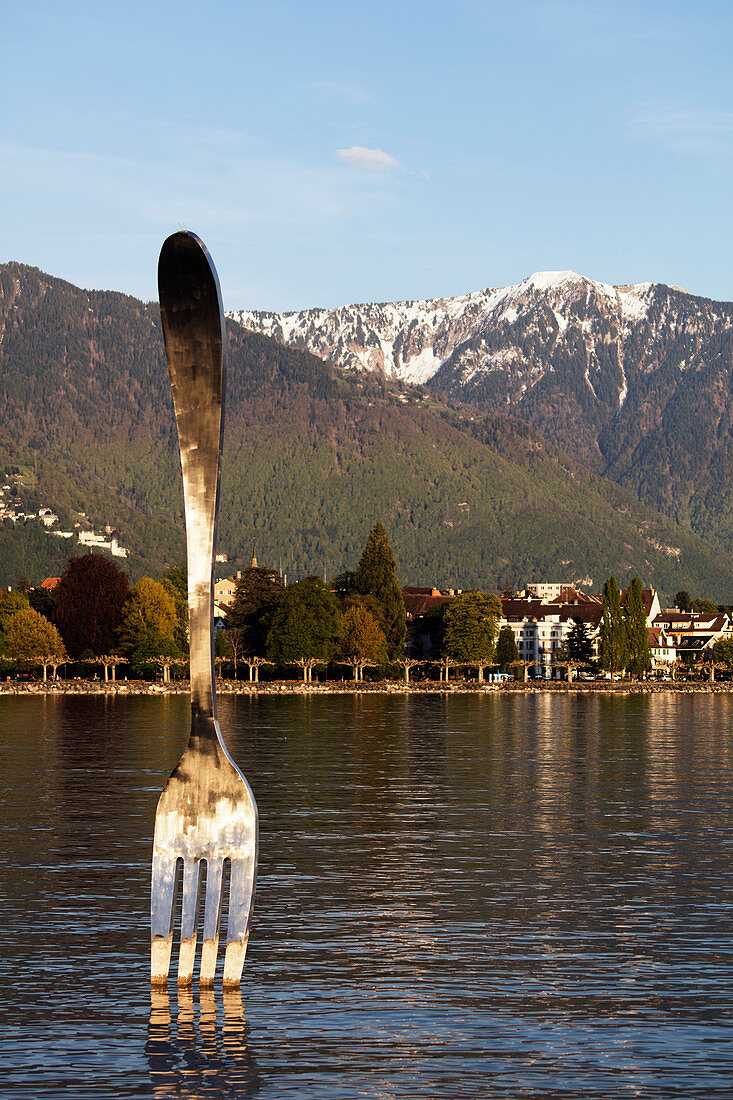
(361, 625)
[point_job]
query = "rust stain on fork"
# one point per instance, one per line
(207, 815)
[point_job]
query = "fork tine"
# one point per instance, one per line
(165, 875)
(212, 919)
(189, 920)
(241, 896)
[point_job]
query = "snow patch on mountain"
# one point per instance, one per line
(517, 330)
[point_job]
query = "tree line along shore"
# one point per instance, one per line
(90, 626)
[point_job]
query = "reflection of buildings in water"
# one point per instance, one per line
(200, 1052)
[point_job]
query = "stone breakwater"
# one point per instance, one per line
(349, 687)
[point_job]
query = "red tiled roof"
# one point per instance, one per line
(50, 582)
(574, 596)
(519, 608)
(680, 620)
(416, 604)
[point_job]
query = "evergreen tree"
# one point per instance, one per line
(723, 652)
(614, 640)
(258, 594)
(506, 649)
(306, 624)
(639, 658)
(579, 644)
(375, 576)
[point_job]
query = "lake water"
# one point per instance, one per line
(528, 895)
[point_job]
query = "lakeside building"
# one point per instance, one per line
(419, 603)
(693, 634)
(540, 619)
(541, 627)
(662, 651)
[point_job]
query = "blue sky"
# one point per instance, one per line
(336, 152)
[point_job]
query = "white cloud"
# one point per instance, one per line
(374, 160)
(694, 132)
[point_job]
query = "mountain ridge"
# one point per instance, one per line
(314, 455)
(633, 381)
(473, 308)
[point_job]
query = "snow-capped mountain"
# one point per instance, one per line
(407, 340)
(635, 381)
(567, 353)
(412, 341)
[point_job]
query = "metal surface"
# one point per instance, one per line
(206, 821)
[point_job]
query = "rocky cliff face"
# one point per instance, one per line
(406, 340)
(476, 334)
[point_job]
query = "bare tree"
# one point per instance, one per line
(308, 664)
(237, 639)
(254, 664)
(445, 664)
(110, 661)
(358, 664)
(406, 663)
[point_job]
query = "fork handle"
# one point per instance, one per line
(194, 334)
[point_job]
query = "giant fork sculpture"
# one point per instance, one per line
(206, 813)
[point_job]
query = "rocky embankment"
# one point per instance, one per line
(349, 687)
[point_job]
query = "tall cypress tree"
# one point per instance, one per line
(638, 638)
(614, 637)
(506, 649)
(375, 576)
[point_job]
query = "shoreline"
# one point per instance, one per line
(350, 687)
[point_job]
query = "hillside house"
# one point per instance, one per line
(225, 589)
(88, 538)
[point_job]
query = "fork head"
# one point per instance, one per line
(206, 822)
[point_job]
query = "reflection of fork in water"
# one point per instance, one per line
(203, 1050)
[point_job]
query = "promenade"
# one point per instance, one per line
(351, 687)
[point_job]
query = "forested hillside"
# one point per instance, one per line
(313, 457)
(633, 381)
